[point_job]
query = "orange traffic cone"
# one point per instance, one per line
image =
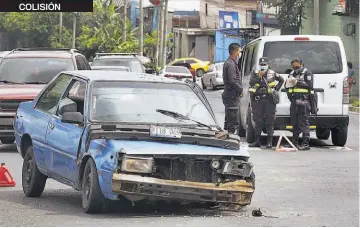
(6, 180)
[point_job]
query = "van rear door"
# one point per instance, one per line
(322, 55)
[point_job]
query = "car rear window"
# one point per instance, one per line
(180, 70)
(33, 70)
(133, 64)
(141, 100)
(321, 57)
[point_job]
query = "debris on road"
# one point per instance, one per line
(258, 213)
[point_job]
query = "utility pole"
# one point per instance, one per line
(158, 31)
(316, 17)
(60, 27)
(261, 23)
(141, 43)
(164, 50)
(161, 32)
(125, 19)
(74, 31)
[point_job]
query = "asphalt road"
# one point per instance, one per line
(319, 187)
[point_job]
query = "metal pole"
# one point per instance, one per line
(161, 33)
(158, 31)
(141, 43)
(60, 26)
(125, 19)
(163, 56)
(74, 31)
(261, 23)
(316, 17)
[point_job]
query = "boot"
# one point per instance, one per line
(295, 141)
(256, 143)
(269, 142)
(305, 144)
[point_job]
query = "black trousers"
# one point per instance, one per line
(232, 104)
(300, 118)
(264, 112)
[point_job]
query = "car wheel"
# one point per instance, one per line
(93, 200)
(339, 136)
(200, 72)
(250, 131)
(323, 134)
(33, 181)
(212, 86)
(7, 140)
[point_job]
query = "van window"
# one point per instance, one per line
(249, 54)
(321, 57)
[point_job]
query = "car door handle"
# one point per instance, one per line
(51, 126)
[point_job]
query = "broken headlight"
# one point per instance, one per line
(137, 164)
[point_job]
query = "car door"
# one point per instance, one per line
(63, 139)
(45, 106)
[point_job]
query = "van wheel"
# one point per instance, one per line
(7, 140)
(241, 129)
(93, 200)
(33, 181)
(323, 134)
(339, 136)
(250, 131)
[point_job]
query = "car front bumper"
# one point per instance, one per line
(238, 192)
(284, 122)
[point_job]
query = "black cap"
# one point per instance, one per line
(263, 60)
(296, 60)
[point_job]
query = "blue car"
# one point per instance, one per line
(110, 134)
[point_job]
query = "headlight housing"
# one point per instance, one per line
(137, 164)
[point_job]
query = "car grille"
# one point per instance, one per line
(185, 170)
(10, 105)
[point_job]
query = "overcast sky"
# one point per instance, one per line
(180, 4)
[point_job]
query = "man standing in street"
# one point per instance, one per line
(233, 88)
(298, 85)
(264, 98)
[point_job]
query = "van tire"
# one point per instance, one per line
(250, 131)
(322, 133)
(241, 129)
(339, 136)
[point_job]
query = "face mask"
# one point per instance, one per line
(264, 67)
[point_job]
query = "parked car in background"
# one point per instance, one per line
(176, 72)
(187, 65)
(23, 74)
(113, 68)
(213, 78)
(198, 65)
(138, 136)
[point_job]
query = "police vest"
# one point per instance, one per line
(270, 79)
(298, 77)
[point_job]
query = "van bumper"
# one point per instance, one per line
(284, 122)
(6, 127)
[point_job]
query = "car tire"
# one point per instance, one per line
(250, 131)
(200, 72)
(339, 136)
(93, 200)
(212, 86)
(323, 134)
(33, 181)
(7, 140)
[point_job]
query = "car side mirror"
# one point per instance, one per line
(149, 71)
(72, 117)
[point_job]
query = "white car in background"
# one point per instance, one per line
(213, 78)
(176, 72)
(113, 68)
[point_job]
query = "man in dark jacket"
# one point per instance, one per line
(263, 90)
(233, 88)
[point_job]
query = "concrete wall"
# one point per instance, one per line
(211, 18)
(333, 25)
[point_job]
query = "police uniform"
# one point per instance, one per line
(300, 107)
(231, 94)
(263, 103)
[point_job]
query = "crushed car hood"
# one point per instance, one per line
(145, 147)
(26, 92)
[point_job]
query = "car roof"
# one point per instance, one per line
(109, 67)
(40, 54)
(104, 75)
(115, 57)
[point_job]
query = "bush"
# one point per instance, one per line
(355, 103)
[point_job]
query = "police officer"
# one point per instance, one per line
(233, 88)
(299, 95)
(263, 103)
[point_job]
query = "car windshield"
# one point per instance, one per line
(138, 103)
(320, 57)
(179, 70)
(33, 70)
(133, 64)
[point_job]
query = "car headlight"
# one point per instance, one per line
(137, 164)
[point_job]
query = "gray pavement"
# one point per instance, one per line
(319, 187)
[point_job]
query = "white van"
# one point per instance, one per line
(325, 57)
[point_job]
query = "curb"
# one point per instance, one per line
(354, 109)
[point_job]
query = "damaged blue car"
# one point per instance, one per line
(115, 134)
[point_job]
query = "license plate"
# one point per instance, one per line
(165, 132)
